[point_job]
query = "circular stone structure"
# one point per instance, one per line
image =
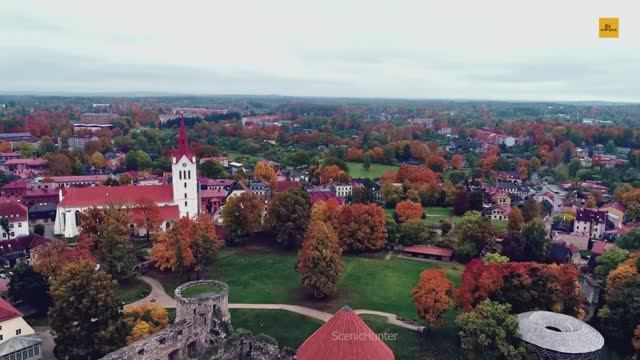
(559, 336)
(205, 303)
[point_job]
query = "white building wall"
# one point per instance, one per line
(11, 326)
(184, 178)
(16, 229)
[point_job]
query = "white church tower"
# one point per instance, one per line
(184, 176)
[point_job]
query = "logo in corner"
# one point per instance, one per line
(609, 27)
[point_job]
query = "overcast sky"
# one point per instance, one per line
(489, 49)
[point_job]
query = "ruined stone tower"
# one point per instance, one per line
(202, 320)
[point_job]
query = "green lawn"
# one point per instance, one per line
(131, 290)
(268, 276)
(291, 329)
(234, 154)
(357, 171)
(200, 290)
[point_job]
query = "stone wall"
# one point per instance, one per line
(248, 347)
(200, 322)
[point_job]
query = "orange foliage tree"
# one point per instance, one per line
(432, 296)
(185, 244)
(622, 274)
(457, 161)
(265, 173)
(51, 257)
(333, 172)
(326, 211)
(516, 221)
(436, 163)
(362, 227)
(319, 260)
(407, 210)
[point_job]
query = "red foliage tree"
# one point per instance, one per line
(457, 161)
(432, 296)
(333, 172)
(407, 210)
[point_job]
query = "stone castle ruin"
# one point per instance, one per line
(202, 324)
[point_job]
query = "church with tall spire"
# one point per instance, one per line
(178, 199)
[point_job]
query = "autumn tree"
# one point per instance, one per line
(263, 171)
(144, 320)
(105, 232)
(362, 227)
(287, 217)
(319, 260)
(242, 217)
(29, 287)
(51, 257)
(457, 162)
(620, 316)
(432, 296)
(531, 209)
(212, 170)
(97, 160)
(515, 219)
(610, 260)
(476, 233)
(436, 163)
(333, 173)
(59, 165)
(630, 241)
(85, 317)
(146, 214)
(326, 211)
(187, 244)
(513, 246)
(535, 239)
(490, 331)
(407, 210)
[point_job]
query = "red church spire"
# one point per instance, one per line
(183, 145)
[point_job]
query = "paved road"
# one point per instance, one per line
(164, 300)
(47, 341)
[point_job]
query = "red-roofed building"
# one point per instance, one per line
(344, 336)
(428, 251)
(599, 247)
(14, 188)
(182, 193)
(20, 247)
(18, 219)
(168, 215)
(282, 186)
(499, 212)
(16, 336)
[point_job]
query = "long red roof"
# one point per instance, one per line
(106, 195)
(344, 336)
(7, 311)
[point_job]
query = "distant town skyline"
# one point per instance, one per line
(491, 50)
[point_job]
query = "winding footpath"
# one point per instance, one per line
(160, 297)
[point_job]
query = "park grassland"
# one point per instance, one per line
(267, 275)
(356, 170)
(133, 289)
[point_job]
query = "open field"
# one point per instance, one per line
(234, 154)
(357, 171)
(269, 276)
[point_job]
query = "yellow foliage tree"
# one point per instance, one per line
(97, 160)
(625, 272)
(145, 320)
(265, 173)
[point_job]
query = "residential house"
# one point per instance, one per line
(20, 248)
(615, 213)
(501, 198)
(260, 188)
(590, 223)
(18, 219)
(498, 212)
(17, 339)
(8, 156)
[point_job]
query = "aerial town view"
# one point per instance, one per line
(352, 180)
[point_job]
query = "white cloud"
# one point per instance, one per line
(494, 49)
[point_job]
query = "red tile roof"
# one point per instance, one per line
(167, 213)
(106, 195)
(428, 250)
(13, 210)
(217, 193)
(7, 311)
(599, 247)
(344, 336)
(22, 243)
(286, 185)
(318, 196)
(78, 178)
(27, 162)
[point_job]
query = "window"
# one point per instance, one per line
(185, 195)
(18, 331)
(185, 185)
(189, 172)
(1, 337)
(19, 225)
(167, 225)
(180, 174)
(186, 203)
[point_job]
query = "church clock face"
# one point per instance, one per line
(184, 164)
